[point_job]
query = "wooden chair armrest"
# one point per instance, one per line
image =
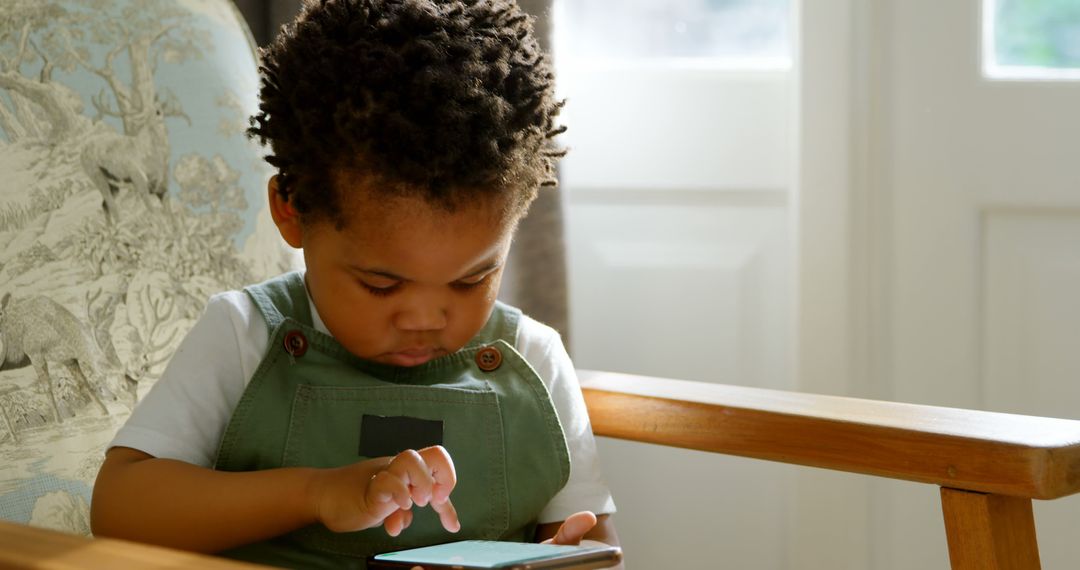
(23, 546)
(1004, 454)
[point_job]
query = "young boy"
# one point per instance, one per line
(382, 399)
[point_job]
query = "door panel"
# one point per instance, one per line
(1031, 310)
(691, 286)
(678, 224)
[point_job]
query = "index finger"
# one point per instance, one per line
(447, 515)
(442, 471)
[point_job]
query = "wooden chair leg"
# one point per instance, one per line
(989, 532)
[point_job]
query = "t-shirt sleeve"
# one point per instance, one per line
(586, 490)
(184, 414)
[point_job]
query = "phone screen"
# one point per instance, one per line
(496, 554)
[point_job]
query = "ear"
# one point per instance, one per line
(285, 215)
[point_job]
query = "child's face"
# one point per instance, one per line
(403, 282)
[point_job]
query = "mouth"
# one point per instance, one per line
(412, 356)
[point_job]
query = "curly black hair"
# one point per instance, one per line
(451, 100)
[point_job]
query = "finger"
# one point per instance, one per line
(394, 523)
(406, 519)
(388, 487)
(447, 515)
(574, 528)
(412, 468)
(441, 468)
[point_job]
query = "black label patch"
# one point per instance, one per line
(382, 436)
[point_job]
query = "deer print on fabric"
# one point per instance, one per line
(36, 331)
(140, 159)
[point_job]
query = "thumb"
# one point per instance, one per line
(574, 528)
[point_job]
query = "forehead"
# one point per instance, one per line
(411, 237)
(368, 197)
(366, 212)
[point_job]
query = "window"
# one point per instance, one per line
(675, 95)
(726, 33)
(1031, 39)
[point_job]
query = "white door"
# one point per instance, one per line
(958, 203)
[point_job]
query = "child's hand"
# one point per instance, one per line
(573, 529)
(383, 491)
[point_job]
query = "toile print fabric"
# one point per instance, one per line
(128, 195)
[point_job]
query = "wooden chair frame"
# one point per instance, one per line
(989, 466)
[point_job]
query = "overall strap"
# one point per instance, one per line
(280, 297)
(501, 325)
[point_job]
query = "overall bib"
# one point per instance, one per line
(310, 401)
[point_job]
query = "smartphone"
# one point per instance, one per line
(476, 554)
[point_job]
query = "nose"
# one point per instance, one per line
(421, 316)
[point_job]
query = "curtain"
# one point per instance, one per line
(535, 278)
(265, 17)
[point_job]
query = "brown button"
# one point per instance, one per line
(296, 343)
(488, 358)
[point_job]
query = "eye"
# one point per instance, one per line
(381, 289)
(470, 283)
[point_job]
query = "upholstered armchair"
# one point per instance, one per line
(128, 194)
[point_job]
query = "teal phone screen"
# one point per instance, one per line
(481, 553)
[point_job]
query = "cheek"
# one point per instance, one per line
(357, 320)
(480, 305)
(470, 314)
(492, 289)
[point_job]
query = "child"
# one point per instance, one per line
(382, 399)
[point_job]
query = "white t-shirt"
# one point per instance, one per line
(185, 414)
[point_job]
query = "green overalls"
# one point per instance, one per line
(310, 401)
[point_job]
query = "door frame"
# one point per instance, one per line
(842, 254)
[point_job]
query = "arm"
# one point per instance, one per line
(171, 503)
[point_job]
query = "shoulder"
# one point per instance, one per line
(237, 316)
(542, 347)
(533, 334)
(229, 323)
(235, 306)
(231, 334)
(539, 344)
